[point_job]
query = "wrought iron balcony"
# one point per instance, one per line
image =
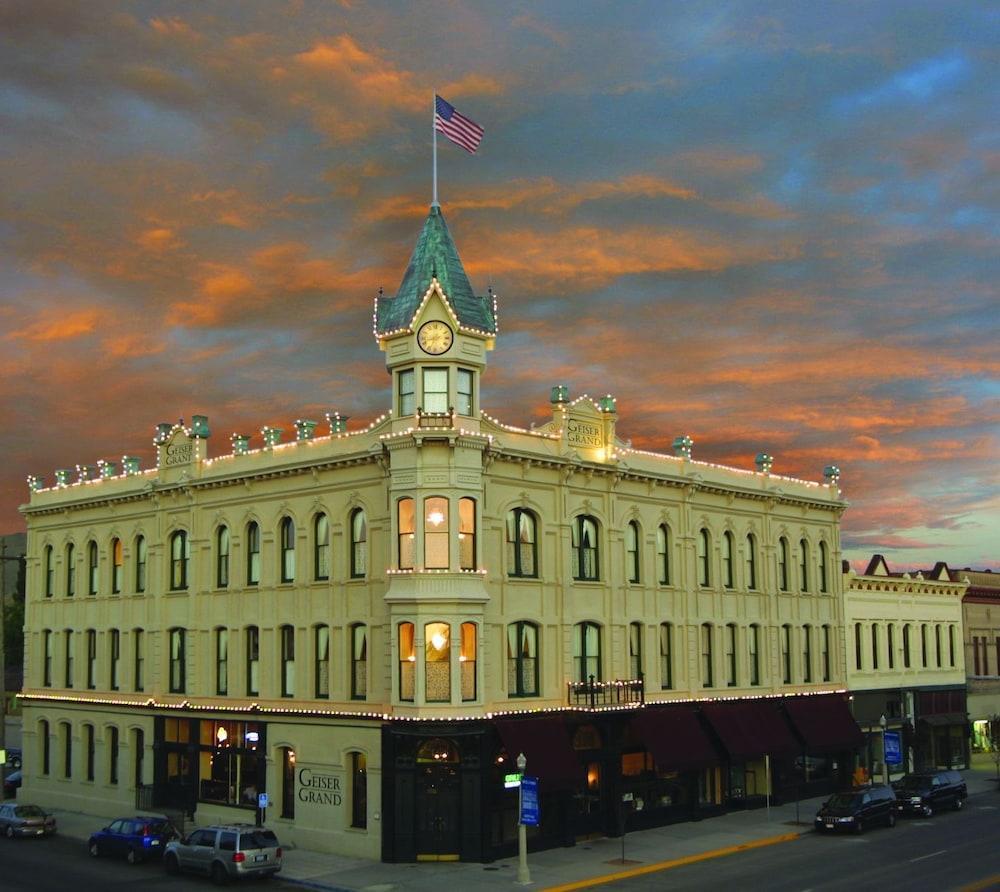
(593, 693)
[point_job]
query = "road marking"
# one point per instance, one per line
(924, 857)
(986, 807)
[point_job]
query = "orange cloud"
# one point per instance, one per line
(54, 326)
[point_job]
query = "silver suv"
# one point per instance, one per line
(225, 851)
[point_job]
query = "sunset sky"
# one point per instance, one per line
(769, 226)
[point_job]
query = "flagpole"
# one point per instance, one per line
(434, 201)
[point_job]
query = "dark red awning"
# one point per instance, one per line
(751, 729)
(546, 745)
(675, 737)
(824, 722)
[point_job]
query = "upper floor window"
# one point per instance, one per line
(804, 564)
(522, 549)
(117, 565)
(47, 658)
(704, 552)
(359, 661)
(632, 537)
(807, 657)
(180, 553)
(287, 534)
(783, 564)
(753, 650)
(139, 660)
(890, 638)
(522, 660)
(359, 543)
(587, 652)
(467, 534)
(786, 654)
(222, 661)
(663, 553)
(707, 657)
(874, 645)
(937, 645)
(407, 662)
(751, 558)
(407, 529)
(825, 654)
(70, 571)
(68, 651)
(91, 659)
(584, 546)
(906, 646)
(731, 655)
(951, 647)
(178, 661)
(435, 394)
(140, 564)
(857, 646)
(436, 533)
(222, 557)
(407, 403)
(49, 571)
(253, 553)
(253, 660)
(635, 650)
(321, 546)
(666, 656)
(823, 560)
(287, 636)
(727, 559)
(923, 646)
(92, 567)
(437, 662)
(464, 385)
(322, 680)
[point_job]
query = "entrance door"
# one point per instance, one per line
(438, 807)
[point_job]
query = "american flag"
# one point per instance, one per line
(458, 128)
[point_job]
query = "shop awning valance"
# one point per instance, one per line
(824, 722)
(751, 729)
(675, 737)
(547, 746)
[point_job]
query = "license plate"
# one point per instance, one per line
(260, 857)
(829, 826)
(154, 842)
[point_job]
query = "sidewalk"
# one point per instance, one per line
(554, 868)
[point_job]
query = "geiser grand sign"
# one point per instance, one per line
(319, 788)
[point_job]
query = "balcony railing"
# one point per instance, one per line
(595, 693)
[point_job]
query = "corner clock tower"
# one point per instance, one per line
(435, 333)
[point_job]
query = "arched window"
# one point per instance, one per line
(436, 533)
(47, 658)
(437, 662)
(407, 662)
(825, 656)
(731, 655)
(138, 660)
(951, 646)
(322, 675)
(359, 661)
(751, 558)
(707, 657)
(92, 567)
(522, 660)
(890, 640)
(874, 645)
(359, 791)
(663, 553)
(66, 736)
(359, 543)
(704, 550)
(807, 657)
(937, 645)
(727, 559)
(666, 656)
(253, 553)
(467, 534)
(140, 564)
(286, 640)
(635, 650)
(804, 564)
(180, 553)
(222, 557)
(68, 651)
(406, 524)
(138, 756)
(923, 646)
(49, 570)
(467, 661)
(522, 548)
(178, 661)
(632, 538)
(45, 747)
(287, 782)
(117, 565)
(287, 533)
(221, 661)
(91, 638)
(112, 739)
(321, 547)
(753, 651)
(70, 570)
(857, 647)
(823, 560)
(786, 654)
(587, 652)
(88, 742)
(783, 564)
(586, 564)
(906, 646)
(253, 660)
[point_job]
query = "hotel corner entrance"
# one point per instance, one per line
(438, 801)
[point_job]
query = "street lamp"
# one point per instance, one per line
(523, 876)
(883, 722)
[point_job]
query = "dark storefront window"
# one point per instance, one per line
(287, 782)
(359, 790)
(230, 762)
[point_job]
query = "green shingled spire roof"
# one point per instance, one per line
(435, 256)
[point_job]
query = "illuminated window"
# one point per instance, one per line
(287, 534)
(587, 652)
(586, 564)
(222, 557)
(632, 537)
(522, 660)
(436, 533)
(467, 534)
(467, 661)
(522, 553)
(663, 553)
(253, 553)
(117, 565)
(437, 662)
(321, 546)
(359, 661)
(407, 662)
(406, 523)
(322, 662)
(359, 544)
(180, 554)
(666, 656)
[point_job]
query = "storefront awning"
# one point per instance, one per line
(546, 745)
(824, 722)
(946, 718)
(675, 737)
(751, 729)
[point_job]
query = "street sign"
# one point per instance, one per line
(529, 801)
(893, 747)
(262, 800)
(510, 781)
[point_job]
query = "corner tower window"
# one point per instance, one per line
(467, 534)
(437, 662)
(407, 662)
(406, 392)
(435, 390)
(436, 533)
(464, 384)
(406, 523)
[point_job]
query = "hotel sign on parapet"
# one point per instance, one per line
(585, 434)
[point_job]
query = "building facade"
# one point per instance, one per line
(981, 619)
(369, 625)
(906, 667)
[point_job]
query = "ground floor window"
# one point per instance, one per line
(287, 782)
(359, 790)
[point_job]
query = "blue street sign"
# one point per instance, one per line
(529, 801)
(893, 747)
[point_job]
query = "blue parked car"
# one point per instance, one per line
(134, 839)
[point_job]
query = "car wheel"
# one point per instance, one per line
(9, 832)
(95, 849)
(891, 820)
(171, 865)
(928, 811)
(859, 828)
(132, 856)
(959, 802)
(220, 875)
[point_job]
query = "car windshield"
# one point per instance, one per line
(155, 828)
(259, 839)
(915, 782)
(843, 800)
(29, 811)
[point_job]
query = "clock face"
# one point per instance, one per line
(434, 337)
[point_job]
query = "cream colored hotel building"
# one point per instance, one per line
(369, 622)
